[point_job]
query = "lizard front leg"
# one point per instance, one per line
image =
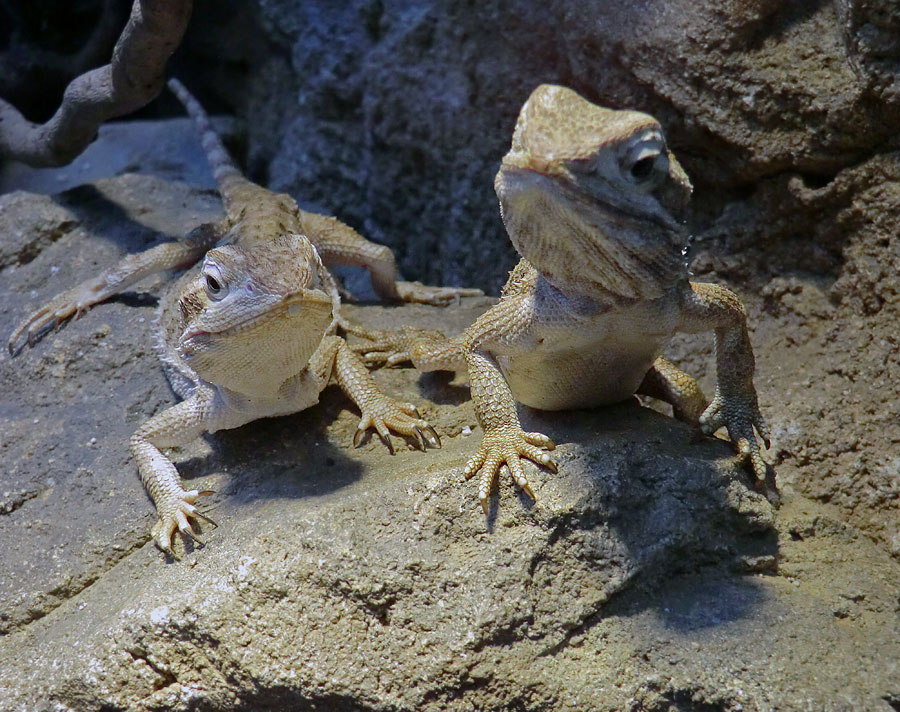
(340, 244)
(129, 270)
(334, 357)
(708, 306)
(177, 425)
(505, 328)
(504, 440)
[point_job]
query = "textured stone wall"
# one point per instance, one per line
(394, 115)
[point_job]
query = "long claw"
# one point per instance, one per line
(421, 438)
(202, 516)
(358, 437)
(386, 439)
(434, 438)
(191, 535)
(526, 488)
(486, 506)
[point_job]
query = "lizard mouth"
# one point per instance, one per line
(293, 306)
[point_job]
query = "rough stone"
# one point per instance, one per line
(648, 575)
(395, 114)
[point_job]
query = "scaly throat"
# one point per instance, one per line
(591, 248)
(256, 356)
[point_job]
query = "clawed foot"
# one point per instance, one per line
(392, 348)
(73, 302)
(740, 415)
(174, 514)
(507, 447)
(436, 296)
(385, 414)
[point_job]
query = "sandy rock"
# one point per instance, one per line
(648, 573)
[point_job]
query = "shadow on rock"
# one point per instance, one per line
(639, 503)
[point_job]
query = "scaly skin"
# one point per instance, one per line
(591, 199)
(248, 333)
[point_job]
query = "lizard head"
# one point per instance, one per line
(251, 319)
(592, 197)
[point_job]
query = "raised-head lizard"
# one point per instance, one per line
(249, 332)
(591, 199)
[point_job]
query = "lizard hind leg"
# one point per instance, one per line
(340, 244)
(666, 382)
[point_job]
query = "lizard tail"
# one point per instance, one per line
(225, 172)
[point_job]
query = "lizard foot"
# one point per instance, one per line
(392, 348)
(73, 302)
(385, 414)
(173, 514)
(437, 296)
(507, 447)
(740, 415)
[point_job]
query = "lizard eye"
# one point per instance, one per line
(215, 288)
(645, 165)
(643, 168)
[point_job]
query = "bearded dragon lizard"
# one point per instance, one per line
(248, 333)
(590, 198)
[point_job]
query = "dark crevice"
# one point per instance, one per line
(166, 677)
(41, 241)
(16, 501)
(70, 588)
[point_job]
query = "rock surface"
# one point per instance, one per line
(648, 575)
(395, 114)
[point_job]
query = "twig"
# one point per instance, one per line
(133, 78)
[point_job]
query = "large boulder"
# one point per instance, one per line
(648, 573)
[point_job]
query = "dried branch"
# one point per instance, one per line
(133, 78)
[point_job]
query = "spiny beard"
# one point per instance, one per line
(591, 249)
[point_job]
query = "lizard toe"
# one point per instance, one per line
(739, 413)
(385, 415)
(507, 448)
(175, 514)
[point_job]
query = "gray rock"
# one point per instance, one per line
(647, 576)
(395, 115)
(168, 149)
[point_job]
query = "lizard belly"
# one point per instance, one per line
(562, 379)
(232, 410)
(592, 361)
